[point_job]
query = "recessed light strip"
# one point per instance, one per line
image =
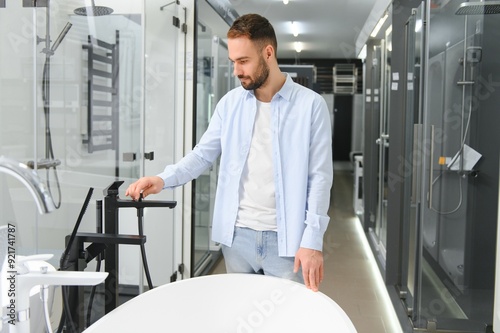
(379, 25)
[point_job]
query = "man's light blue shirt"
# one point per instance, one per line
(302, 159)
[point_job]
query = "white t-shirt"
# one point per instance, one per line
(257, 209)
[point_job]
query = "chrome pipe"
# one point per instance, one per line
(29, 178)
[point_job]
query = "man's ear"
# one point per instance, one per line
(269, 51)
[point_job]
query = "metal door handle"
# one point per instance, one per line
(384, 139)
(431, 165)
(129, 157)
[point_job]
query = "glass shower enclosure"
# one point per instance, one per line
(451, 192)
(69, 107)
(378, 179)
(214, 79)
(80, 90)
(379, 232)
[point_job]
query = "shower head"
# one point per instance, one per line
(479, 8)
(61, 36)
(93, 10)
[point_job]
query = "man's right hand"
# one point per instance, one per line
(146, 186)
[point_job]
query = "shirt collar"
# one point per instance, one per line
(286, 91)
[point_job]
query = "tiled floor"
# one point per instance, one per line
(351, 278)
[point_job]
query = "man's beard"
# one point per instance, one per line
(261, 77)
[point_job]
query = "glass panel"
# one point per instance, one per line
(72, 95)
(411, 166)
(460, 169)
(383, 142)
(18, 89)
(376, 103)
(214, 79)
(381, 83)
(162, 69)
(203, 197)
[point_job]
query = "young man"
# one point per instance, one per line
(274, 138)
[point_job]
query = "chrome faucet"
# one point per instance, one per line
(30, 179)
(25, 279)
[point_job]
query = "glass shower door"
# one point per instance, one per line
(376, 105)
(410, 165)
(459, 183)
(203, 185)
(381, 80)
(160, 129)
(18, 104)
(379, 233)
(46, 95)
(214, 79)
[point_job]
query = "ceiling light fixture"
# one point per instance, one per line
(285, 2)
(295, 30)
(298, 46)
(379, 25)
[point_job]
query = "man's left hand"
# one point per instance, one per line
(312, 267)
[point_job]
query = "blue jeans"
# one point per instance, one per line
(257, 252)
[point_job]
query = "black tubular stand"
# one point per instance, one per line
(112, 203)
(108, 242)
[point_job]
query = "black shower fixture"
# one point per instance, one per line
(479, 8)
(93, 10)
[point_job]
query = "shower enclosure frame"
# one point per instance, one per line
(148, 81)
(214, 79)
(456, 303)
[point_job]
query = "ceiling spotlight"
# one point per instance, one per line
(298, 46)
(295, 30)
(285, 2)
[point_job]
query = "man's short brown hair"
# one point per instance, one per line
(256, 28)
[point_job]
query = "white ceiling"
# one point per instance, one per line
(327, 28)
